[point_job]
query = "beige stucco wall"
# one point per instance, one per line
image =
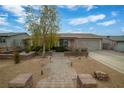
(91, 44)
(108, 44)
(1, 43)
(10, 41)
(18, 39)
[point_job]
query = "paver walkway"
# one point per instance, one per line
(110, 59)
(60, 73)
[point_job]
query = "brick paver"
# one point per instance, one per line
(60, 73)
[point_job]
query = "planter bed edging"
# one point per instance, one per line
(23, 56)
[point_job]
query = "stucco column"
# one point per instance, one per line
(100, 44)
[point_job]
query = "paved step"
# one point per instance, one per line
(60, 73)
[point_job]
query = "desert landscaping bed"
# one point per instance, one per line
(89, 65)
(9, 70)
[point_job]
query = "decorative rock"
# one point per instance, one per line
(101, 75)
(84, 76)
(41, 72)
(79, 58)
(86, 81)
(71, 64)
(21, 81)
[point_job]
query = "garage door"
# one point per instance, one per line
(91, 44)
(120, 46)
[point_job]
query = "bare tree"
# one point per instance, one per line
(45, 25)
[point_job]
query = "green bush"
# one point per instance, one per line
(16, 57)
(60, 49)
(76, 50)
(26, 46)
(84, 50)
(86, 55)
(36, 48)
(27, 50)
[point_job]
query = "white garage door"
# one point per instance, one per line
(91, 44)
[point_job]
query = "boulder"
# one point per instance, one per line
(21, 81)
(86, 81)
(101, 75)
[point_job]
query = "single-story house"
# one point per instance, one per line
(10, 40)
(113, 43)
(119, 46)
(79, 40)
(69, 40)
(108, 43)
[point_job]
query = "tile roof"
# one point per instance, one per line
(78, 35)
(117, 38)
(11, 34)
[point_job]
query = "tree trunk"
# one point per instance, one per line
(44, 48)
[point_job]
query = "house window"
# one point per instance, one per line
(2, 40)
(64, 43)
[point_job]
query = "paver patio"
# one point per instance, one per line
(60, 73)
(109, 58)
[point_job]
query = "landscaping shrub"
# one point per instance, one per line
(86, 54)
(16, 57)
(36, 48)
(26, 46)
(60, 49)
(84, 50)
(76, 50)
(27, 50)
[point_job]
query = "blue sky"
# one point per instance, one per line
(101, 20)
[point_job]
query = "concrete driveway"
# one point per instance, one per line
(112, 59)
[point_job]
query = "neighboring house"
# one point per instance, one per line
(113, 43)
(108, 43)
(72, 40)
(119, 46)
(10, 40)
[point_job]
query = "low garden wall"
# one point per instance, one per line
(29, 55)
(23, 55)
(6, 56)
(70, 53)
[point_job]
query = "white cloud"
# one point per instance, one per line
(91, 18)
(91, 28)
(107, 23)
(61, 6)
(17, 27)
(36, 7)
(71, 7)
(5, 30)
(89, 7)
(122, 29)
(3, 15)
(114, 13)
(3, 21)
(20, 20)
(74, 7)
(16, 10)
